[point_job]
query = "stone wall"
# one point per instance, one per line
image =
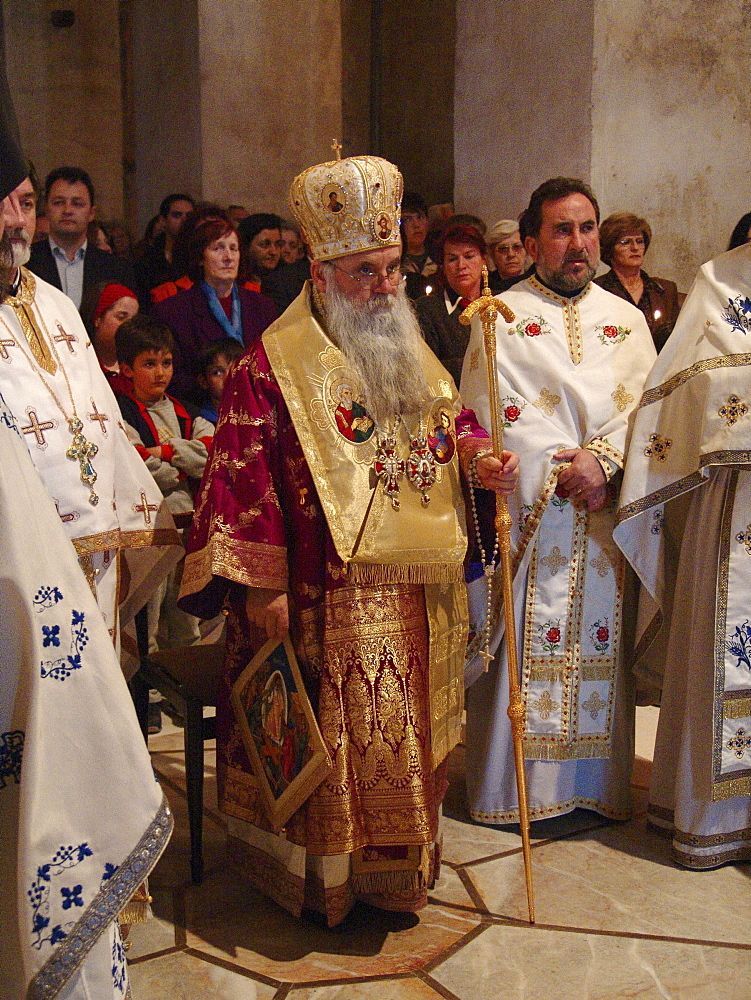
(65, 84)
(271, 95)
(671, 123)
(648, 101)
(164, 115)
(522, 108)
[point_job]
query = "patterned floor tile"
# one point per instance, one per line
(516, 963)
(228, 919)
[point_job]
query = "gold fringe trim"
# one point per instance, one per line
(138, 908)
(371, 574)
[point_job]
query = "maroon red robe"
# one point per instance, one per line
(363, 652)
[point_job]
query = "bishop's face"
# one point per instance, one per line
(364, 276)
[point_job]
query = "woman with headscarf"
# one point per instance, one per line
(104, 307)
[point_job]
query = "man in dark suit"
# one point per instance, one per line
(66, 259)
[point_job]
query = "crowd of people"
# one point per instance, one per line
(308, 388)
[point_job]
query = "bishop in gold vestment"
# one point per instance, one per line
(331, 506)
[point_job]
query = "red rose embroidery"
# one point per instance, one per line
(512, 413)
(603, 634)
(610, 331)
(553, 635)
(533, 330)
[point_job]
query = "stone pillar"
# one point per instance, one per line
(522, 100)
(164, 118)
(65, 84)
(671, 123)
(646, 100)
(270, 98)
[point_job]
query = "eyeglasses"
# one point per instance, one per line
(515, 248)
(366, 277)
(632, 241)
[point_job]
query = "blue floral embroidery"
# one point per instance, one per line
(61, 669)
(7, 417)
(51, 635)
(118, 962)
(739, 644)
(39, 894)
(657, 519)
(11, 756)
(738, 313)
(71, 897)
(739, 743)
(109, 871)
(47, 597)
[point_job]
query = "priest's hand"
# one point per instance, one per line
(269, 609)
(499, 475)
(583, 481)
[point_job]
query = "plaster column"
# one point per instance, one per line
(522, 100)
(65, 84)
(648, 101)
(270, 97)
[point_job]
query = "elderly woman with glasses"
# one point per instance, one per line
(624, 240)
(508, 254)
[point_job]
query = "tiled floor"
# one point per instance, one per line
(614, 918)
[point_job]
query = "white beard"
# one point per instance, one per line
(381, 340)
(21, 251)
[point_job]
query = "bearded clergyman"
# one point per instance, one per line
(332, 508)
(571, 366)
(51, 380)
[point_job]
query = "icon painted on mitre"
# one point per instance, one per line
(333, 199)
(441, 439)
(352, 419)
(383, 227)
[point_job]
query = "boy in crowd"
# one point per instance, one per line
(215, 363)
(173, 439)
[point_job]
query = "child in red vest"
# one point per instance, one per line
(173, 439)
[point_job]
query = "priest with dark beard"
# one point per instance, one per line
(332, 510)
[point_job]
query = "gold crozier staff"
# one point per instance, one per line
(488, 308)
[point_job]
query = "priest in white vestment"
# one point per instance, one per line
(82, 820)
(50, 377)
(684, 516)
(571, 366)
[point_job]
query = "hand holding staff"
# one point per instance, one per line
(489, 308)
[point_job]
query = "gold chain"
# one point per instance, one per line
(80, 450)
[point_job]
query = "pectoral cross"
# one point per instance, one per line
(38, 429)
(145, 508)
(389, 469)
(82, 451)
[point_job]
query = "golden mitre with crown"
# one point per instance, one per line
(346, 206)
